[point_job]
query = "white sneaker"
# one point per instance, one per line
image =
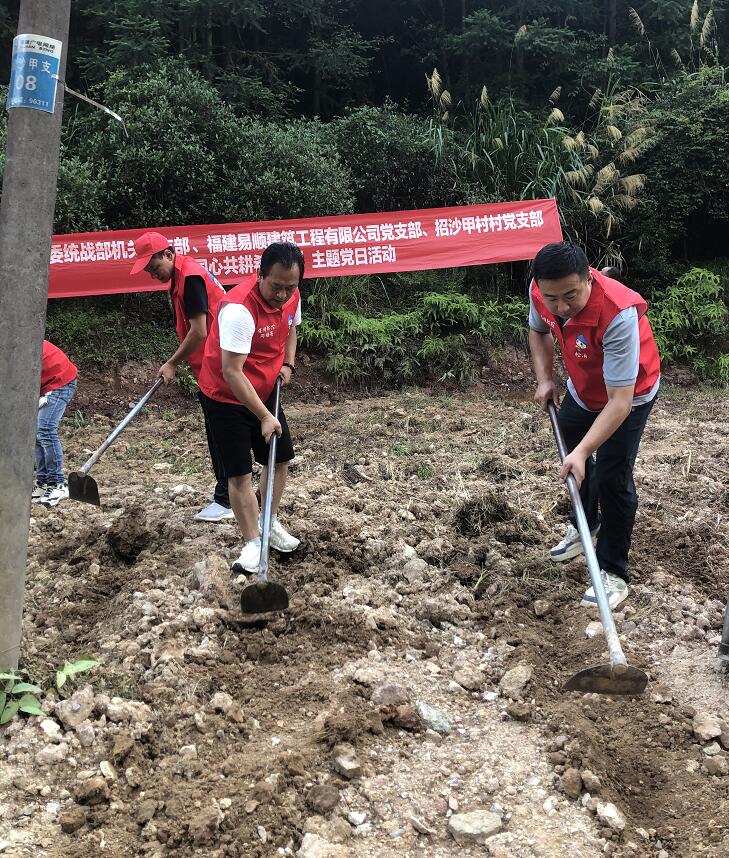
(249, 558)
(39, 489)
(280, 538)
(215, 512)
(615, 588)
(54, 493)
(571, 545)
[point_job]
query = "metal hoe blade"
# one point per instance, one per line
(83, 488)
(617, 677)
(264, 596)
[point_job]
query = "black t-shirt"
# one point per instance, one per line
(195, 297)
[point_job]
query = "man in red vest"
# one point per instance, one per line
(613, 370)
(251, 343)
(194, 295)
(58, 386)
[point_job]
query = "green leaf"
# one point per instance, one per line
(24, 687)
(8, 675)
(83, 664)
(30, 705)
(3, 698)
(9, 711)
(61, 678)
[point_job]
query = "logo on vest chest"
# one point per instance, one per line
(265, 332)
(581, 347)
(546, 321)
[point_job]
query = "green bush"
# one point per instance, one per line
(391, 160)
(105, 332)
(432, 340)
(691, 324)
(189, 159)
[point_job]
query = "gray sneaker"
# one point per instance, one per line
(615, 588)
(571, 545)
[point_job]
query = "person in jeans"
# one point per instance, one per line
(194, 297)
(613, 369)
(58, 386)
(252, 342)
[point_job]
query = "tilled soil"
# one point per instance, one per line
(422, 578)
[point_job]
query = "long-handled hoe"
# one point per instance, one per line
(616, 677)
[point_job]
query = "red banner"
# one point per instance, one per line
(98, 263)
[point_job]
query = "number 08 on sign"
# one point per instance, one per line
(34, 75)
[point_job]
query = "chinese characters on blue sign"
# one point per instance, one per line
(34, 76)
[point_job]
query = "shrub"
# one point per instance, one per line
(691, 324)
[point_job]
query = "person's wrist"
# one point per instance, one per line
(290, 366)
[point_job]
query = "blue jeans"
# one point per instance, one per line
(48, 450)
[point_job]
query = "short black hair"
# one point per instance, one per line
(611, 271)
(558, 260)
(285, 253)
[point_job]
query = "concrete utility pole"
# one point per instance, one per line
(26, 226)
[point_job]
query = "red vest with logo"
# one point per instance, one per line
(580, 339)
(268, 346)
(56, 369)
(185, 266)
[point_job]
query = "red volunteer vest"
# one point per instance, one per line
(580, 340)
(268, 346)
(56, 369)
(185, 266)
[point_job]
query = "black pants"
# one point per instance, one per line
(608, 491)
(221, 484)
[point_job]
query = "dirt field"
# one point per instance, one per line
(422, 578)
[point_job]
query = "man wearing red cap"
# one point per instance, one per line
(194, 295)
(252, 342)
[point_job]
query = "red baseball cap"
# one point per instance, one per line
(146, 246)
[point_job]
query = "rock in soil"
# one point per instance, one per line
(476, 826)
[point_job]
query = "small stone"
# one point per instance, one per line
(490, 696)
(122, 747)
(52, 729)
(519, 711)
(107, 770)
(591, 782)
(542, 608)
(204, 827)
(85, 734)
(469, 678)
(389, 694)
(712, 749)
(706, 726)
(357, 817)
(92, 791)
(514, 681)
(52, 754)
(571, 782)
(345, 761)
(433, 718)
(76, 709)
(221, 702)
(369, 676)
(119, 710)
(594, 629)
(72, 819)
(420, 825)
(609, 815)
(717, 766)
(473, 827)
(314, 846)
(146, 810)
(322, 798)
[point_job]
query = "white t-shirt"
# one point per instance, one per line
(237, 327)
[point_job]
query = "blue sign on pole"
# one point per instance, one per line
(34, 75)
